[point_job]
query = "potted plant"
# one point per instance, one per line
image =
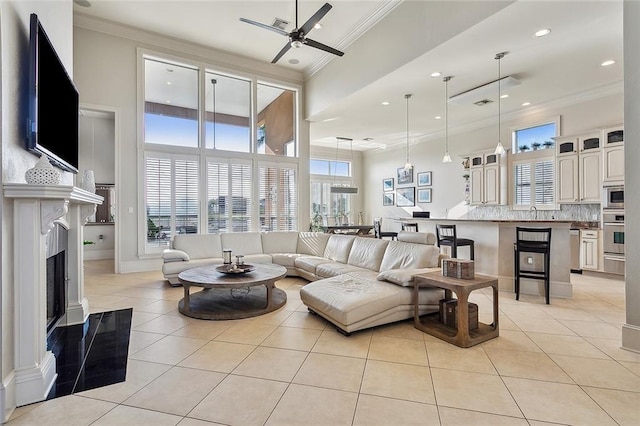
(547, 144)
(523, 148)
(536, 145)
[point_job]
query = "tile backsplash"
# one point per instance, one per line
(575, 212)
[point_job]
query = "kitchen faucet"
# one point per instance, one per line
(535, 210)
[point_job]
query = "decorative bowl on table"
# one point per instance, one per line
(233, 269)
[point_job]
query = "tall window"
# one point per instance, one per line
(172, 198)
(333, 208)
(204, 136)
(278, 198)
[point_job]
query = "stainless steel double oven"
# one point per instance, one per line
(613, 241)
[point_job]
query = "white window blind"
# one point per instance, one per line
(171, 198)
(229, 196)
(534, 182)
(278, 198)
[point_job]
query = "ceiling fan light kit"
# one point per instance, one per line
(298, 37)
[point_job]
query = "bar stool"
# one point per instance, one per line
(412, 227)
(533, 240)
(378, 233)
(446, 235)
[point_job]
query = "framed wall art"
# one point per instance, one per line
(405, 197)
(387, 184)
(424, 179)
(424, 195)
(405, 175)
(388, 198)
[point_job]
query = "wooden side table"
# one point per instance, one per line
(460, 335)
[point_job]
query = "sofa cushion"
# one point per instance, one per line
(399, 255)
(417, 237)
(367, 253)
(312, 243)
(331, 269)
(172, 255)
(349, 298)
(242, 242)
(309, 263)
(403, 277)
(257, 258)
(279, 242)
(171, 268)
(338, 247)
(285, 259)
(199, 246)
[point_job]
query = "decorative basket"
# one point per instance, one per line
(43, 173)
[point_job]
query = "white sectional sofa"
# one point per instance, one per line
(357, 282)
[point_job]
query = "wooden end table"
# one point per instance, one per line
(460, 335)
(226, 296)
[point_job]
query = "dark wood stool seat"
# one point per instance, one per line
(379, 233)
(446, 235)
(535, 241)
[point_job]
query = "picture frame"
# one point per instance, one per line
(388, 198)
(387, 184)
(424, 195)
(405, 176)
(405, 197)
(424, 179)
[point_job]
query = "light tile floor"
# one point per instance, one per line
(552, 364)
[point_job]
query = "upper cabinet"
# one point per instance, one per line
(578, 168)
(485, 178)
(613, 156)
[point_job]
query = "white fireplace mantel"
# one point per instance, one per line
(36, 209)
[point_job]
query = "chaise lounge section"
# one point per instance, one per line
(356, 282)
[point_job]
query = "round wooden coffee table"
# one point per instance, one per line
(231, 296)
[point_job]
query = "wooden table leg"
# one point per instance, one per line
(186, 297)
(463, 318)
(495, 306)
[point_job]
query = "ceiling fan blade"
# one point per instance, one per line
(308, 26)
(284, 50)
(265, 26)
(321, 46)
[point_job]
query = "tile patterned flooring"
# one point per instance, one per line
(552, 364)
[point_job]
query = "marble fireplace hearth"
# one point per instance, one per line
(36, 210)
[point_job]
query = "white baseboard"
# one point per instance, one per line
(7, 397)
(631, 337)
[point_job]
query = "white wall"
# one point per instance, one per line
(448, 184)
(57, 19)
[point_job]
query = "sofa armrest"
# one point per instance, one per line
(403, 277)
(173, 255)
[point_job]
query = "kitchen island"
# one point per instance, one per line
(494, 239)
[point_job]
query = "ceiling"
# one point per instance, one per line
(562, 67)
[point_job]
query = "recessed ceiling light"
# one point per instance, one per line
(326, 120)
(504, 96)
(168, 83)
(542, 32)
(83, 3)
(168, 102)
(526, 104)
(318, 26)
(294, 61)
(437, 117)
(436, 74)
(385, 103)
(607, 63)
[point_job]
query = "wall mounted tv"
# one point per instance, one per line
(53, 103)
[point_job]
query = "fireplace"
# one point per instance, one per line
(56, 274)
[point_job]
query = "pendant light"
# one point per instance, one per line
(343, 189)
(499, 148)
(407, 164)
(447, 157)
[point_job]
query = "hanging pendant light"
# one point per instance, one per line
(343, 189)
(499, 148)
(407, 164)
(447, 157)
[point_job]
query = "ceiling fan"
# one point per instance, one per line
(298, 36)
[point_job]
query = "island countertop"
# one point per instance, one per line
(581, 224)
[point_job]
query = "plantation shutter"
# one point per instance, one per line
(523, 184)
(217, 196)
(241, 189)
(278, 193)
(158, 198)
(288, 219)
(544, 182)
(187, 200)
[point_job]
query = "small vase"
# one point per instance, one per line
(43, 173)
(88, 181)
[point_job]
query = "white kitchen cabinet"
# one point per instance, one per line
(589, 249)
(579, 178)
(613, 165)
(484, 177)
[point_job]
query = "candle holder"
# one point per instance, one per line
(226, 257)
(239, 260)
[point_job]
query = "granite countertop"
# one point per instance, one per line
(574, 223)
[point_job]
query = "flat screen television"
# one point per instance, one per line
(53, 103)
